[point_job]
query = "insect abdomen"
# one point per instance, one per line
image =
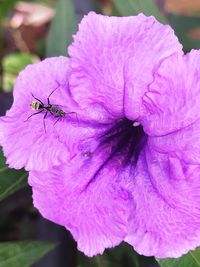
(57, 112)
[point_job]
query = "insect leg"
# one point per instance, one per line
(37, 99)
(48, 98)
(45, 115)
(34, 114)
(57, 135)
(56, 121)
(73, 113)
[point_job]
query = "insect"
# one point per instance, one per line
(54, 110)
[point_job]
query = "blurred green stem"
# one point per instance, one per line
(1, 54)
(98, 261)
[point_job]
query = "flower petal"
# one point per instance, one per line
(184, 144)
(166, 191)
(172, 101)
(24, 139)
(113, 60)
(86, 196)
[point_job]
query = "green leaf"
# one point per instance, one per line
(12, 65)
(10, 180)
(182, 25)
(192, 259)
(97, 261)
(23, 253)
(133, 7)
(122, 255)
(62, 27)
(5, 6)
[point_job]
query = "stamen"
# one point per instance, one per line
(125, 142)
(128, 139)
(136, 123)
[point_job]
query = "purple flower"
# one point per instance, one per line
(123, 163)
(35, 142)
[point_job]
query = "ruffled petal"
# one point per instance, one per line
(87, 196)
(166, 191)
(24, 141)
(172, 100)
(113, 60)
(183, 144)
(35, 142)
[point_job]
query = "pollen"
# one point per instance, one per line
(136, 123)
(87, 154)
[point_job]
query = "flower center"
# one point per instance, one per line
(127, 139)
(122, 143)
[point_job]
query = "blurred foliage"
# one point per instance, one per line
(5, 7)
(10, 180)
(24, 253)
(182, 26)
(12, 65)
(192, 259)
(183, 7)
(133, 7)
(122, 255)
(63, 26)
(45, 2)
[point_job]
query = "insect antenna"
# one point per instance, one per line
(37, 99)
